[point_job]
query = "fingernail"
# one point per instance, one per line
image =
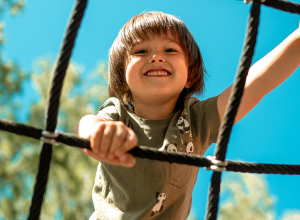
(123, 158)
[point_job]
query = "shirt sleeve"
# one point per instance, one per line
(206, 121)
(109, 111)
(214, 121)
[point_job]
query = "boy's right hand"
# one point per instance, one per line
(110, 141)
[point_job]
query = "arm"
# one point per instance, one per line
(110, 140)
(265, 75)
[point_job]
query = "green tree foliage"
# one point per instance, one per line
(291, 215)
(13, 6)
(11, 76)
(246, 196)
(72, 173)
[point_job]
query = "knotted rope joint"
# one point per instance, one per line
(50, 138)
(217, 165)
(251, 1)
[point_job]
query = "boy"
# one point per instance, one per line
(155, 66)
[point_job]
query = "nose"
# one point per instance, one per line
(157, 58)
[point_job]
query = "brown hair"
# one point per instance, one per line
(136, 29)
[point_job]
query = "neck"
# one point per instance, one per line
(154, 111)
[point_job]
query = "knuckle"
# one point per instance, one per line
(100, 125)
(108, 130)
(121, 133)
(120, 123)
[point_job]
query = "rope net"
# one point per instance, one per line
(216, 163)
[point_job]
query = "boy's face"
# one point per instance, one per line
(157, 70)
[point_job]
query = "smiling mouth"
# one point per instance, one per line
(158, 73)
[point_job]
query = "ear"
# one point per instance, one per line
(188, 85)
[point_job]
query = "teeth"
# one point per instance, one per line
(157, 73)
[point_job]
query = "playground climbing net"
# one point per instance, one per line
(216, 163)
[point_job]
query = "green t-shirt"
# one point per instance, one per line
(154, 189)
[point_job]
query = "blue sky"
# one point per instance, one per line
(268, 134)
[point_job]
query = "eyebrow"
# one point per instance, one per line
(165, 38)
(174, 41)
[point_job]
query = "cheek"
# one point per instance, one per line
(129, 78)
(184, 68)
(132, 71)
(132, 64)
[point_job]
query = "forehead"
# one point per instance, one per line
(148, 37)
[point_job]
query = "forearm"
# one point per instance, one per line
(265, 75)
(86, 124)
(269, 72)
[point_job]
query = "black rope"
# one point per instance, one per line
(146, 152)
(263, 168)
(232, 106)
(53, 105)
(154, 154)
(283, 6)
(239, 82)
(20, 129)
(213, 198)
(36, 133)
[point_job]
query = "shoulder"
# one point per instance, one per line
(195, 104)
(205, 109)
(112, 110)
(204, 117)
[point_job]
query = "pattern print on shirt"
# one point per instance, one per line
(189, 147)
(158, 207)
(182, 138)
(172, 147)
(185, 134)
(183, 125)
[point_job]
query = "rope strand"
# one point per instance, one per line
(53, 105)
(146, 152)
(154, 154)
(232, 107)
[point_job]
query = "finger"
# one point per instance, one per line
(105, 142)
(127, 160)
(114, 161)
(96, 137)
(130, 143)
(118, 138)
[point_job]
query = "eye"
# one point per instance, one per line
(140, 52)
(170, 50)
